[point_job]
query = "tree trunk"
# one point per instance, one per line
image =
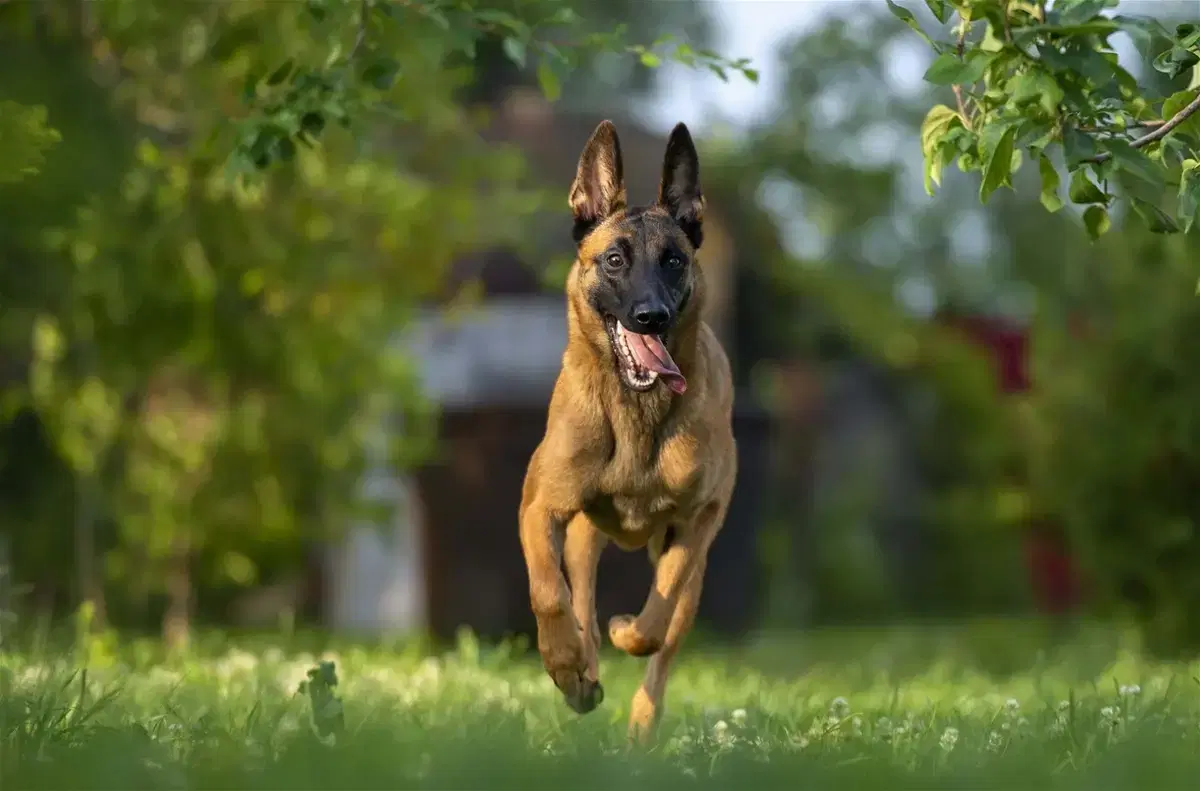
(177, 620)
(90, 586)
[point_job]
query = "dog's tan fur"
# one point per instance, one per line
(626, 466)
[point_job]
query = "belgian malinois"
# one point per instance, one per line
(639, 444)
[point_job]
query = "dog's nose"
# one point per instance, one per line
(651, 316)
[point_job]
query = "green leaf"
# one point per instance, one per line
(1050, 183)
(382, 73)
(317, 9)
(650, 60)
(939, 121)
(1132, 161)
(940, 10)
(998, 168)
(1078, 147)
(1077, 12)
(515, 50)
(1189, 194)
(906, 16)
(1082, 190)
(948, 69)
(548, 80)
(1157, 220)
(1143, 30)
(1037, 86)
(1176, 102)
(282, 73)
(1187, 35)
(1175, 61)
(1096, 221)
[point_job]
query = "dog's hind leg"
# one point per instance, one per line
(647, 706)
(581, 555)
(646, 634)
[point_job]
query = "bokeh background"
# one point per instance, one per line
(308, 405)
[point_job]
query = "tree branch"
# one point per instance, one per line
(958, 94)
(364, 18)
(1162, 131)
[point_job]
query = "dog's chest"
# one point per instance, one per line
(644, 490)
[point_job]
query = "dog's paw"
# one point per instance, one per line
(585, 694)
(567, 665)
(625, 634)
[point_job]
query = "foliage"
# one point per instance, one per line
(838, 240)
(25, 138)
(1035, 83)
(297, 98)
(1120, 430)
(483, 718)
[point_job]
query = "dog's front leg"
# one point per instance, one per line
(559, 640)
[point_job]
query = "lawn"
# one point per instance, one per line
(866, 710)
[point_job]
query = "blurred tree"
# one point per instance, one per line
(606, 80)
(864, 261)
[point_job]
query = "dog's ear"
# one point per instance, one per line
(679, 192)
(599, 187)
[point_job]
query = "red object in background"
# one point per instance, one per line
(1052, 572)
(1007, 343)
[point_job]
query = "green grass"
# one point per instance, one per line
(854, 710)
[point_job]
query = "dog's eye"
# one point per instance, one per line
(614, 260)
(673, 262)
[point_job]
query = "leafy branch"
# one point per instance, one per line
(293, 104)
(1161, 128)
(1045, 84)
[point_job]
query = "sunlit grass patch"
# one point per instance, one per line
(478, 718)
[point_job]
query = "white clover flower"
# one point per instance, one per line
(1012, 705)
(721, 733)
(995, 741)
(1064, 705)
(739, 717)
(839, 707)
(1130, 690)
(949, 739)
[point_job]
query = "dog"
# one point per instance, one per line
(639, 446)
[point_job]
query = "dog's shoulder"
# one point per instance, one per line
(718, 389)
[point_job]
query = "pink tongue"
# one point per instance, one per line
(651, 353)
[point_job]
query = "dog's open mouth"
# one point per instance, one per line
(643, 359)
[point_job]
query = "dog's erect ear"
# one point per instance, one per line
(599, 188)
(679, 192)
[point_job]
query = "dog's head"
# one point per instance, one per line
(637, 265)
